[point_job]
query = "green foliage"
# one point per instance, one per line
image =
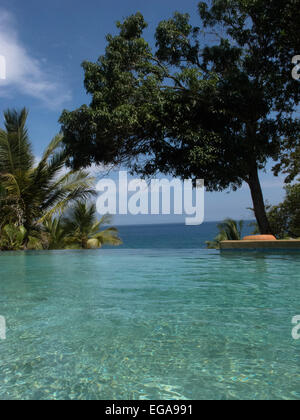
(285, 218)
(15, 148)
(216, 112)
(54, 234)
(82, 229)
(229, 230)
(290, 163)
(12, 237)
(34, 243)
(267, 30)
(29, 192)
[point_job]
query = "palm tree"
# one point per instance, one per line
(229, 230)
(53, 234)
(83, 229)
(31, 193)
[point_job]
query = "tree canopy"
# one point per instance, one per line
(195, 106)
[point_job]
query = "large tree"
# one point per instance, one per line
(197, 106)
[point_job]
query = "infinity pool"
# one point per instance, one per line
(146, 324)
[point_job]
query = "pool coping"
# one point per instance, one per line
(284, 245)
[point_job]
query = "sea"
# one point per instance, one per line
(171, 236)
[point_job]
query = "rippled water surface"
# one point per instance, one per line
(146, 324)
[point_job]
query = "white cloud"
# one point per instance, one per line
(24, 73)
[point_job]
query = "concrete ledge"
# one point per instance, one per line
(260, 245)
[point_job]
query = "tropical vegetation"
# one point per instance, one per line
(285, 217)
(284, 220)
(214, 101)
(83, 230)
(229, 230)
(34, 196)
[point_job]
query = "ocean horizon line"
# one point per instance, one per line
(177, 223)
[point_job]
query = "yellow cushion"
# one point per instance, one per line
(260, 238)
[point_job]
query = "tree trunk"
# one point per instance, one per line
(258, 202)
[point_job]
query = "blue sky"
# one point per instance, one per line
(44, 44)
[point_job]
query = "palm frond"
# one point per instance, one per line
(32, 194)
(229, 230)
(82, 228)
(52, 147)
(15, 148)
(67, 190)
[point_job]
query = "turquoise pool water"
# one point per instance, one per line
(166, 324)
